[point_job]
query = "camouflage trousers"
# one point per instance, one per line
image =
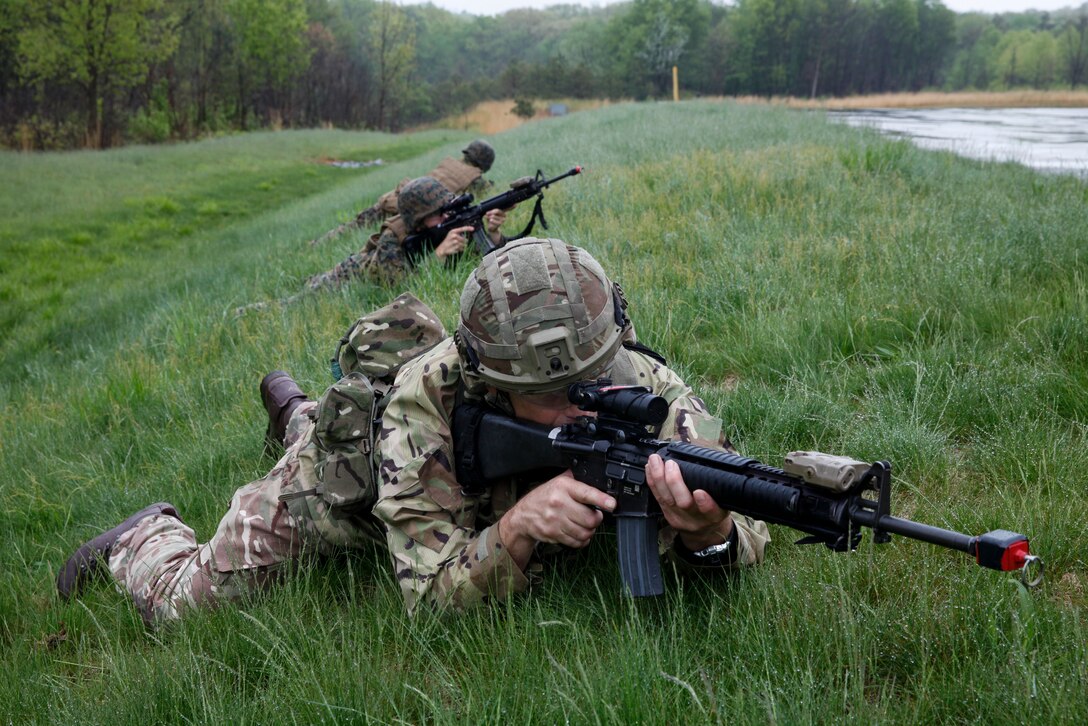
(266, 531)
(382, 261)
(369, 217)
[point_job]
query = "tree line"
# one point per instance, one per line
(101, 72)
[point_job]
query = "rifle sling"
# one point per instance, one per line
(538, 213)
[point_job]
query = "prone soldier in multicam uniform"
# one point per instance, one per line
(459, 176)
(536, 316)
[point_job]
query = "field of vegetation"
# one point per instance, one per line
(958, 99)
(821, 286)
(492, 117)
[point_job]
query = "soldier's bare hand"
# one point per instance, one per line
(561, 511)
(696, 517)
(453, 243)
(494, 221)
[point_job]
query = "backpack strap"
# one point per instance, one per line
(465, 433)
(334, 363)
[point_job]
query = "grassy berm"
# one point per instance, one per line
(822, 287)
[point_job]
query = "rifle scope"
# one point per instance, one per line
(457, 203)
(627, 402)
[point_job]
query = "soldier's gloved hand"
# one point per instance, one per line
(453, 243)
(696, 517)
(561, 511)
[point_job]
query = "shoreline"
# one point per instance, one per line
(936, 99)
(496, 116)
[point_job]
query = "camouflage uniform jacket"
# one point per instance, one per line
(382, 260)
(444, 545)
(457, 175)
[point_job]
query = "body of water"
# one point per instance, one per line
(1052, 140)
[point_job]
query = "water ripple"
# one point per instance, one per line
(1053, 140)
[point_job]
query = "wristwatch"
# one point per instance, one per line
(718, 550)
(713, 556)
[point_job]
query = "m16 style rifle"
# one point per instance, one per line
(818, 494)
(461, 212)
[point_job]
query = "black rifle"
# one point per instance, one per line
(822, 497)
(462, 213)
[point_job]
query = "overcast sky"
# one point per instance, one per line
(493, 7)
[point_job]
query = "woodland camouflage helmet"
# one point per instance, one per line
(480, 154)
(419, 198)
(538, 315)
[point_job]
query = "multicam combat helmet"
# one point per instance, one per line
(538, 315)
(480, 154)
(420, 198)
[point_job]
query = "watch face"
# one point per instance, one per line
(712, 550)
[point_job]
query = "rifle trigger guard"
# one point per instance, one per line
(1032, 562)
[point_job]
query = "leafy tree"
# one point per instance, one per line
(662, 46)
(319, 78)
(271, 48)
(975, 53)
(196, 75)
(514, 81)
(523, 108)
(589, 46)
(9, 79)
(181, 67)
(765, 34)
(825, 35)
(103, 46)
(936, 38)
(1074, 41)
(898, 30)
(1027, 58)
(717, 57)
(393, 42)
(340, 77)
(653, 36)
(1041, 60)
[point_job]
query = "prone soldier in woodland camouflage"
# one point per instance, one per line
(383, 258)
(459, 176)
(535, 316)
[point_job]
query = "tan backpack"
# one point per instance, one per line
(366, 362)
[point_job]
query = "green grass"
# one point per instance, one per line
(821, 286)
(73, 223)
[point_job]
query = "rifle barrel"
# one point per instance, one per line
(916, 530)
(754, 489)
(572, 172)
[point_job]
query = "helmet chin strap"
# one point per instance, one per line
(619, 305)
(470, 359)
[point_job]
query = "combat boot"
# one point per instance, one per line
(281, 396)
(90, 560)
